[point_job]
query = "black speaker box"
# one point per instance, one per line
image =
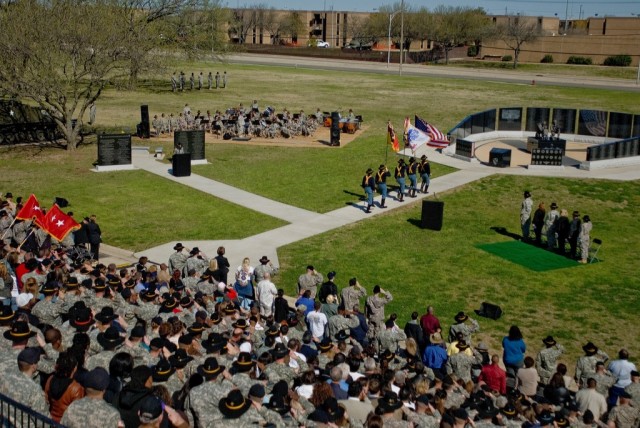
(181, 164)
(489, 310)
(432, 212)
(335, 128)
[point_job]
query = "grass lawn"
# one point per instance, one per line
(596, 302)
(136, 209)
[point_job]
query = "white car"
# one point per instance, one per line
(322, 44)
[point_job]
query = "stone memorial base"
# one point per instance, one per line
(109, 168)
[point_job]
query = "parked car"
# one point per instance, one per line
(322, 44)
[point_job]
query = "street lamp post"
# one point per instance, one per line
(391, 15)
(401, 34)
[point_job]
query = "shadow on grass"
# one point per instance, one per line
(415, 222)
(503, 231)
(359, 195)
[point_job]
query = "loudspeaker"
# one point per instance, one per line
(432, 212)
(181, 164)
(335, 128)
(489, 310)
(61, 202)
(144, 129)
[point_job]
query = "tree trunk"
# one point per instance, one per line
(516, 53)
(70, 134)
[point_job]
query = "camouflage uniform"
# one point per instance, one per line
(259, 272)
(48, 312)
(604, 381)
(389, 338)
(198, 264)
(177, 260)
(483, 423)
(191, 284)
(145, 311)
(586, 366)
(172, 384)
(624, 416)
(341, 322)
(455, 398)
(466, 330)
(101, 359)
(461, 363)
(244, 382)
(310, 282)
(351, 296)
(389, 421)
(90, 413)
(546, 362)
(39, 277)
(375, 311)
(203, 402)
(16, 385)
(206, 288)
(634, 390)
(422, 420)
(276, 372)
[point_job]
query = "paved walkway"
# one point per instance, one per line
(304, 224)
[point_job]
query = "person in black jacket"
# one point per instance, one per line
(563, 227)
(131, 397)
(223, 265)
(95, 237)
(328, 287)
(81, 236)
(414, 330)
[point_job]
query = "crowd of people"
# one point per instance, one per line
(196, 342)
(242, 121)
(557, 228)
(200, 81)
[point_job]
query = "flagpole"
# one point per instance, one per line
(8, 229)
(25, 239)
(386, 146)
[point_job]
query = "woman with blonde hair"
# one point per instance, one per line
(6, 284)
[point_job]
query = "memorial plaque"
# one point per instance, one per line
(601, 152)
(483, 122)
(619, 125)
(510, 119)
(635, 132)
(536, 115)
(566, 120)
(465, 148)
(547, 157)
(192, 142)
(114, 149)
(593, 122)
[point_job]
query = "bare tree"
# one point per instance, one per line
(516, 32)
(60, 54)
(291, 25)
(272, 24)
(453, 26)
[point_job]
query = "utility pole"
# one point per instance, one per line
(566, 17)
(401, 34)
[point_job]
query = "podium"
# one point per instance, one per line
(181, 165)
(432, 213)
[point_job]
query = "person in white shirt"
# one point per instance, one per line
(621, 369)
(266, 295)
(590, 399)
(317, 322)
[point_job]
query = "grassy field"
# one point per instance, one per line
(137, 210)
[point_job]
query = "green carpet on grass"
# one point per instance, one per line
(529, 256)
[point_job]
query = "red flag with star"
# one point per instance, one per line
(30, 210)
(57, 224)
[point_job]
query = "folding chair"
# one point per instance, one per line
(594, 249)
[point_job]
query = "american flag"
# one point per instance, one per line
(595, 121)
(438, 139)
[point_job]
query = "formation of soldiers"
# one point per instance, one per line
(240, 121)
(172, 345)
(179, 81)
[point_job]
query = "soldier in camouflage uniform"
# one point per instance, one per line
(547, 359)
(624, 415)
(390, 337)
(604, 379)
(92, 411)
(586, 365)
(461, 327)
(110, 341)
(191, 282)
(341, 322)
(197, 261)
(178, 259)
(633, 389)
(352, 294)
(280, 369)
(425, 415)
(309, 281)
(265, 267)
(456, 395)
(375, 309)
(202, 406)
(460, 364)
(48, 311)
(241, 368)
(17, 382)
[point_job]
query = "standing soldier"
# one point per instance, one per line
(399, 175)
(352, 294)
(210, 80)
(412, 170)
(200, 77)
(224, 79)
(546, 361)
(586, 365)
(425, 173)
(310, 281)
(381, 182)
(177, 260)
(192, 81)
(174, 82)
(217, 79)
(375, 309)
(182, 81)
(369, 185)
(461, 327)
(525, 214)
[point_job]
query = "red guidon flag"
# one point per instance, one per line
(57, 224)
(30, 210)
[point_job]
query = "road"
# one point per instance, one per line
(505, 76)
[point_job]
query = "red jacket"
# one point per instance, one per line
(494, 377)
